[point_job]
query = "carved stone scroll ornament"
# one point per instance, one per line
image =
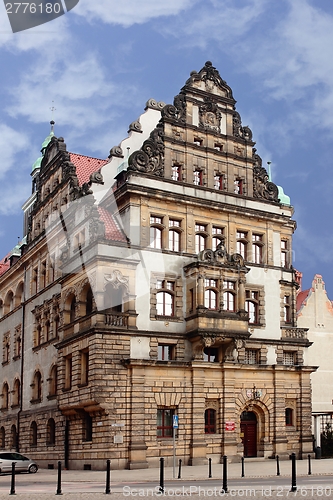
(221, 256)
(239, 130)
(117, 152)
(262, 187)
(150, 158)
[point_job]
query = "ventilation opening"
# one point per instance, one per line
(50, 466)
(86, 466)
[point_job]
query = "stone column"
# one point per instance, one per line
(201, 292)
(241, 294)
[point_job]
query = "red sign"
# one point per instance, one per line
(230, 426)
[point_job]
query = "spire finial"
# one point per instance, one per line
(52, 122)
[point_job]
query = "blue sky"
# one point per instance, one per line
(103, 60)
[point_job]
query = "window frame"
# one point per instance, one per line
(164, 430)
(210, 421)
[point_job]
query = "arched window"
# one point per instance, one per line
(211, 294)
(174, 235)
(2, 437)
(14, 437)
(37, 387)
(53, 381)
(242, 243)
(257, 248)
(9, 302)
(210, 421)
(5, 396)
(252, 306)
(19, 294)
(289, 413)
(50, 432)
(89, 301)
(210, 354)
(113, 298)
(229, 295)
(72, 309)
(156, 229)
(165, 298)
(33, 434)
(56, 323)
(47, 330)
(200, 237)
(16, 393)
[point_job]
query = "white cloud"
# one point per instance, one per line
(12, 199)
(215, 20)
(80, 88)
(130, 12)
(12, 142)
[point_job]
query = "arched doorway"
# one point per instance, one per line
(248, 426)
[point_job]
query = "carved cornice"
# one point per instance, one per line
(150, 158)
(210, 75)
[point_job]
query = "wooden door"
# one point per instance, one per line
(249, 432)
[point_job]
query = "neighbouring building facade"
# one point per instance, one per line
(152, 284)
(315, 310)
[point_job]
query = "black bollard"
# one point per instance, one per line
(209, 467)
(277, 465)
(293, 472)
(108, 478)
(12, 484)
(309, 465)
(162, 475)
(180, 468)
(225, 478)
(243, 467)
(59, 492)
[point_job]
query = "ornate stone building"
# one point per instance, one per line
(155, 283)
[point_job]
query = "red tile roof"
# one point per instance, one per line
(301, 298)
(112, 230)
(85, 166)
(4, 265)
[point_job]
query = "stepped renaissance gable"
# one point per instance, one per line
(154, 283)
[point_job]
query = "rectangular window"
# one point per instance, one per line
(87, 427)
(286, 309)
(165, 352)
(68, 372)
(289, 358)
(218, 147)
(176, 173)
(257, 246)
(197, 141)
(284, 253)
(251, 356)
(238, 186)
(164, 422)
(43, 274)
(219, 182)
(84, 367)
(242, 243)
(198, 177)
(200, 237)
(35, 280)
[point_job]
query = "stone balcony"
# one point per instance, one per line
(294, 334)
(102, 320)
(226, 324)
